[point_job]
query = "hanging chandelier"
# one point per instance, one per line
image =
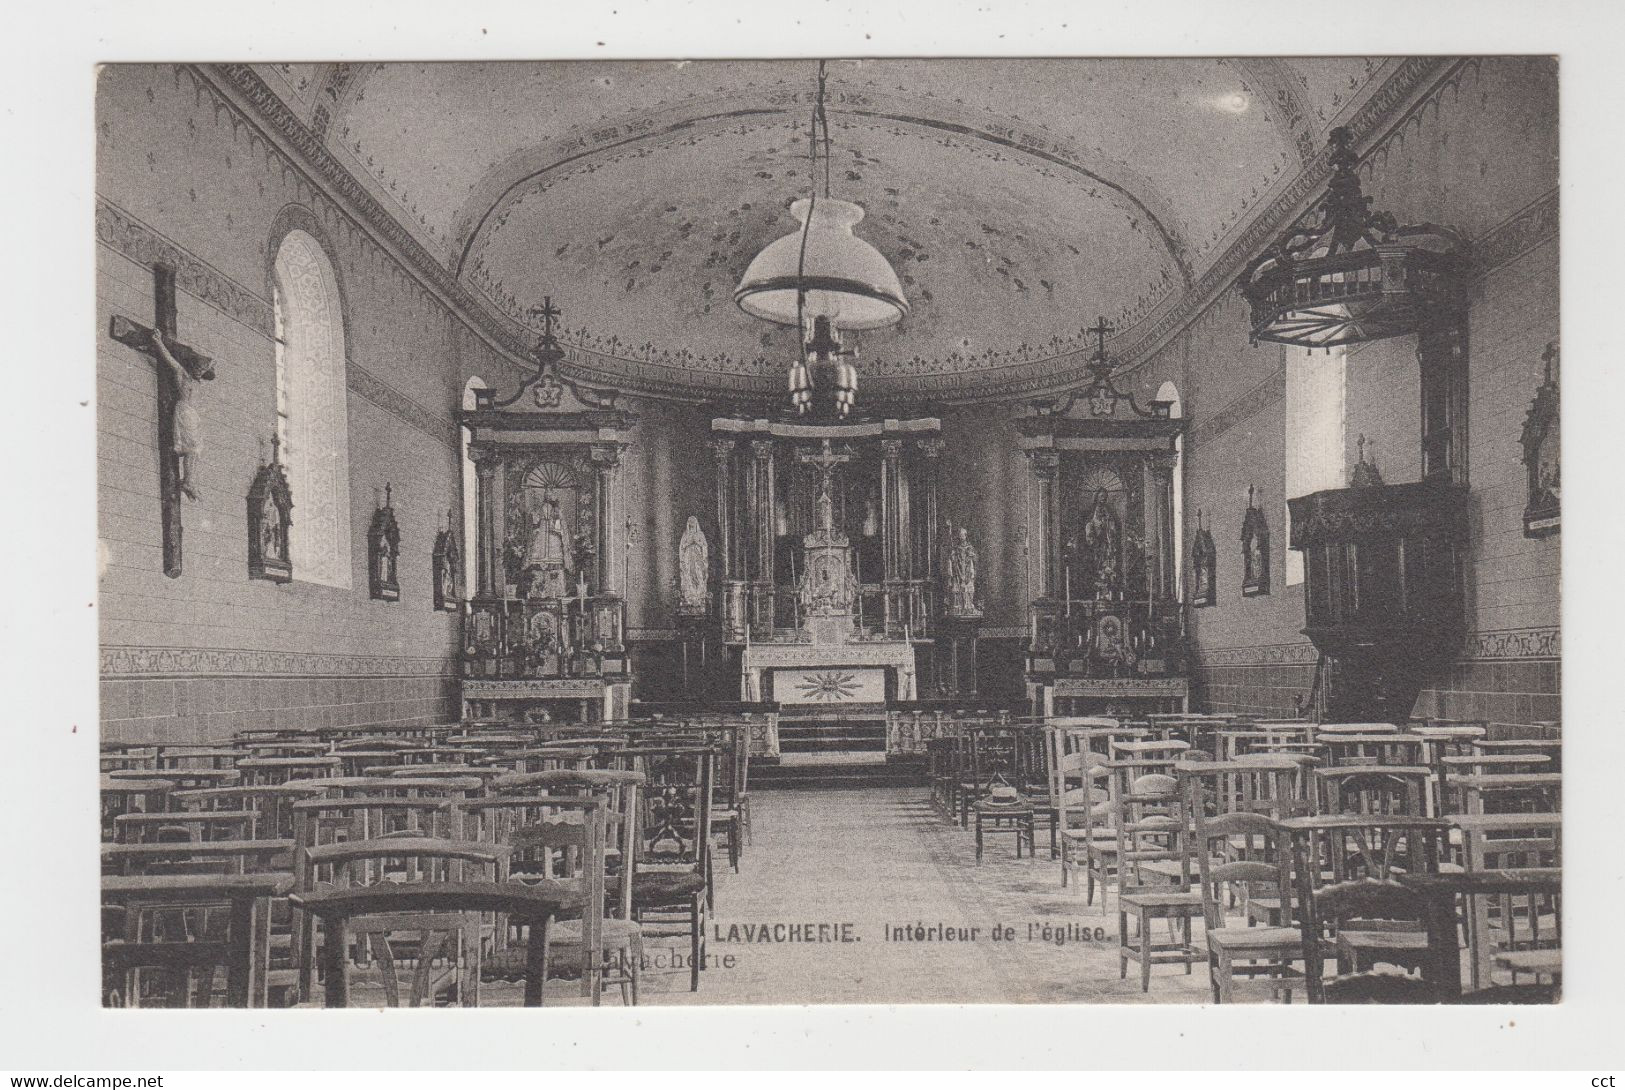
(822, 279)
(1355, 275)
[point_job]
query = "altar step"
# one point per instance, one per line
(832, 736)
(853, 769)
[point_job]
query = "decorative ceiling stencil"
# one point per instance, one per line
(1017, 198)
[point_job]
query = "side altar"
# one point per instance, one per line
(543, 629)
(1107, 626)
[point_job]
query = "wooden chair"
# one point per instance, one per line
(671, 867)
(1350, 854)
(1239, 860)
(558, 841)
(145, 964)
(1081, 794)
(1390, 748)
(1520, 934)
(443, 954)
(1152, 823)
(157, 828)
(1535, 792)
(267, 771)
(272, 806)
(345, 912)
(1372, 789)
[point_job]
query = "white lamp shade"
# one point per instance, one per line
(843, 277)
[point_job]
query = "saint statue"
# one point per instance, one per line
(185, 423)
(548, 547)
(962, 576)
(693, 569)
(272, 546)
(1103, 537)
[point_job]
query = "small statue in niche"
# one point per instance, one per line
(1203, 563)
(383, 551)
(445, 560)
(962, 577)
(693, 570)
(549, 552)
(1255, 550)
(1543, 454)
(1103, 538)
(270, 520)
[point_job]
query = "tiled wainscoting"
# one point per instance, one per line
(1503, 677)
(208, 696)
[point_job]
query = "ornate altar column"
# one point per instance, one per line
(723, 451)
(1046, 465)
(892, 545)
(762, 458)
(484, 548)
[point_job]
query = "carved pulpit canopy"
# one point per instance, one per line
(384, 551)
(1345, 274)
(1543, 455)
(270, 521)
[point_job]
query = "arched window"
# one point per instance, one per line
(311, 408)
(1170, 393)
(1316, 386)
(471, 494)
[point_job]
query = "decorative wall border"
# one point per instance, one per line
(1249, 404)
(120, 662)
(124, 234)
(1535, 223)
(392, 401)
(1501, 645)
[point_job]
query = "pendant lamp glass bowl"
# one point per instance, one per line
(841, 276)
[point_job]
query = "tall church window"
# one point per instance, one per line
(311, 406)
(1316, 396)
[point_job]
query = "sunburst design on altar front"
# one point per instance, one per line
(828, 685)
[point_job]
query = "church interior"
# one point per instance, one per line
(883, 531)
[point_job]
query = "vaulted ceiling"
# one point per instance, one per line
(1017, 199)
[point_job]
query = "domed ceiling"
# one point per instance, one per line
(1016, 199)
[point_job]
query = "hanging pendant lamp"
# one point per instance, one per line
(822, 269)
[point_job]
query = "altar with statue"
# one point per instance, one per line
(543, 631)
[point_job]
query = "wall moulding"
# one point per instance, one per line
(1516, 644)
(118, 662)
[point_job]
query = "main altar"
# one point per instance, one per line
(834, 586)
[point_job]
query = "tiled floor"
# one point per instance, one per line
(865, 860)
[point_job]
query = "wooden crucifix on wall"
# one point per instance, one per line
(180, 368)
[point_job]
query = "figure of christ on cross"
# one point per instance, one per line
(825, 462)
(180, 369)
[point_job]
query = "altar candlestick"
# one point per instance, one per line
(1066, 583)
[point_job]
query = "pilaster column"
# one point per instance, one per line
(932, 450)
(1046, 466)
(723, 451)
(484, 548)
(605, 459)
(1159, 469)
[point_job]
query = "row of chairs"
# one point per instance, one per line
(612, 828)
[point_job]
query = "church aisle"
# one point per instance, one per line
(860, 862)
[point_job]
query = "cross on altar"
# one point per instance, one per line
(547, 313)
(179, 368)
(824, 461)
